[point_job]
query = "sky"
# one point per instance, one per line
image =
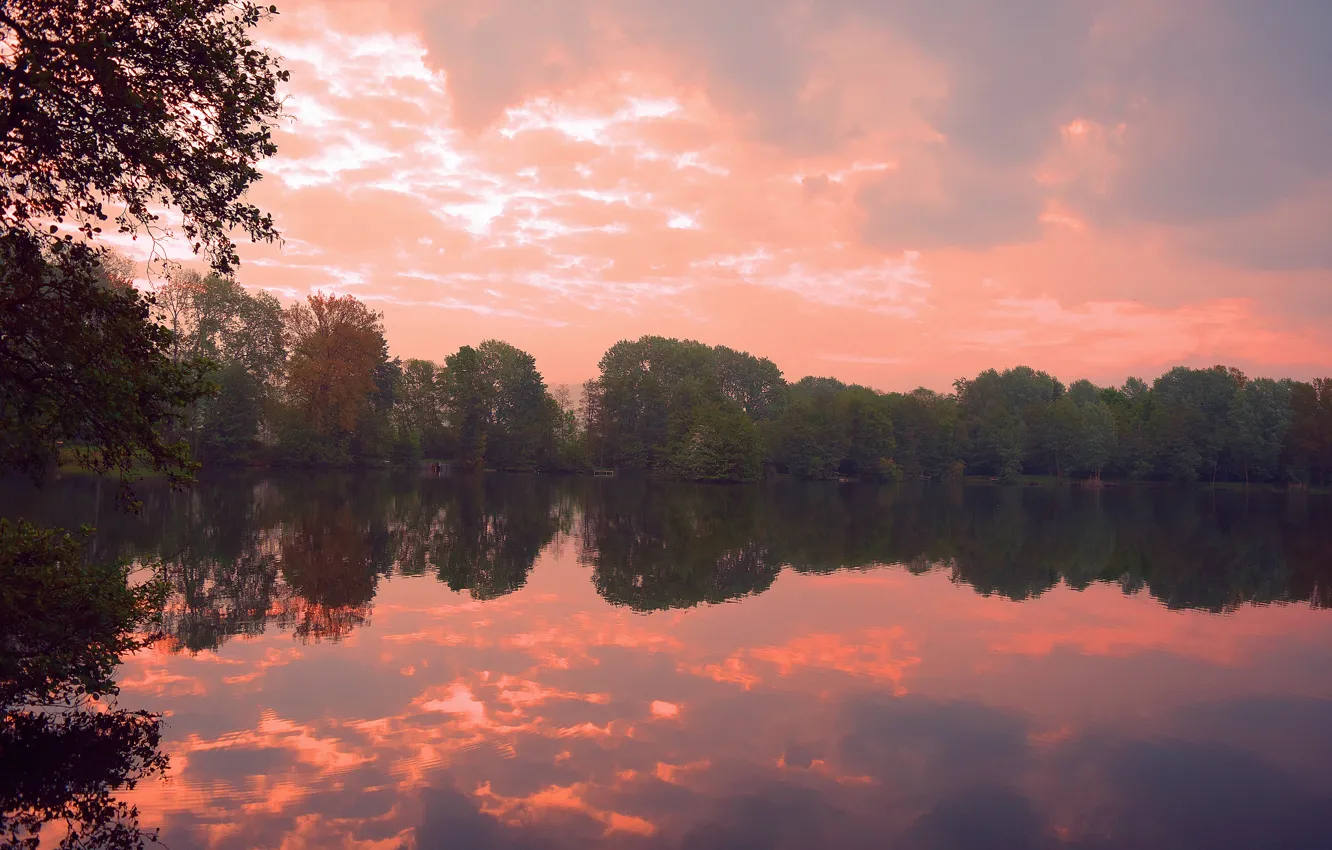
(891, 192)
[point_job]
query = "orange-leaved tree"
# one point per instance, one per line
(336, 346)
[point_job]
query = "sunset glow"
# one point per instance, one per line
(641, 425)
(874, 191)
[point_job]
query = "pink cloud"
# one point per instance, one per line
(856, 189)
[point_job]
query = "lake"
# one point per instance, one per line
(383, 661)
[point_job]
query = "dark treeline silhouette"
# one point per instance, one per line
(306, 553)
(711, 413)
(656, 546)
(314, 384)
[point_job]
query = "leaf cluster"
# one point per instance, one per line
(85, 370)
(61, 768)
(65, 621)
(137, 104)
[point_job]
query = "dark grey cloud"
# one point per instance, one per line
(452, 822)
(234, 764)
(1013, 67)
(1294, 731)
(989, 817)
(975, 208)
(302, 692)
(778, 816)
(1168, 794)
(1228, 109)
(751, 57)
(940, 744)
(497, 55)
(1298, 241)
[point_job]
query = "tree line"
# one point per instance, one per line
(314, 383)
(712, 413)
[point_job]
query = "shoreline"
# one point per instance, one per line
(1041, 481)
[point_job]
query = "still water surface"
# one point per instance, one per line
(508, 661)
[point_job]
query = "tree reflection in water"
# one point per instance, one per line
(653, 547)
(487, 531)
(66, 620)
(65, 768)
(305, 553)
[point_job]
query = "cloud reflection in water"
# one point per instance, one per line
(498, 700)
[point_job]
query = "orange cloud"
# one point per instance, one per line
(521, 811)
(664, 710)
(855, 189)
(872, 653)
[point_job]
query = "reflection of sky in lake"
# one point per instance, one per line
(853, 709)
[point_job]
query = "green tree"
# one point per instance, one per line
(214, 318)
(63, 768)
(1096, 429)
(221, 320)
(1308, 448)
(926, 432)
(1175, 429)
(65, 622)
(1260, 416)
(810, 439)
(1084, 392)
(572, 447)
(375, 437)
(1060, 425)
(229, 422)
(1129, 406)
(419, 407)
(521, 418)
(467, 399)
(1189, 413)
(753, 383)
(722, 444)
(646, 385)
(499, 409)
(870, 440)
(1007, 419)
(650, 391)
(1000, 436)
